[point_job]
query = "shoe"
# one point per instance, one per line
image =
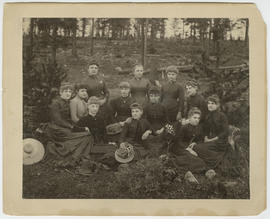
(189, 177)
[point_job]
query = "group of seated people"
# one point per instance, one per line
(149, 116)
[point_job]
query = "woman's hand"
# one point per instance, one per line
(128, 120)
(184, 121)
(178, 116)
(192, 145)
(158, 132)
(146, 134)
(122, 123)
(87, 129)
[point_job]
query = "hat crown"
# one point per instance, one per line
(28, 148)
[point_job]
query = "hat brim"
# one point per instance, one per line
(36, 155)
(124, 160)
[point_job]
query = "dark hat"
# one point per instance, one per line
(66, 85)
(154, 90)
(93, 100)
(192, 82)
(93, 62)
(194, 110)
(172, 68)
(124, 84)
(214, 98)
(136, 106)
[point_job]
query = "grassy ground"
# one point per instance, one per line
(44, 180)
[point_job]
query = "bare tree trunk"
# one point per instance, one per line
(92, 37)
(31, 45)
(74, 49)
(210, 34)
(144, 41)
(83, 26)
(246, 33)
(54, 46)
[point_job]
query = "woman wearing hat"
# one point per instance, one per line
(173, 95)
(96, 85)
(216, 131)
(139, 85)
(121, 105)
(70, 141)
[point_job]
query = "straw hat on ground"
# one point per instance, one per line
(33, 151)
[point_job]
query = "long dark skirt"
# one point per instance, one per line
(187, 162)
(211, 152)
(68, 143)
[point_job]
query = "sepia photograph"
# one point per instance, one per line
(135, 108)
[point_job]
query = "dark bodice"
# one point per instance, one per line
(216, 124)
(139, 88)
(156, 115)
(121, 108)
(132, 132)
(96, 86)
(173, 96)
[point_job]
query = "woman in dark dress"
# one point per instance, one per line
(69, 141)
(216, 131)
(173, 95)
(121, 105)
(139, 85)
(186, 137)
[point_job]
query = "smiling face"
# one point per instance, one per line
(154, 98)
(212, 106)
(82, 93)
(171, 76)
(66, 94)
(138, 71)
(93, 109)
(191, 90)
(92, 69)
(136, 113)
(194, 119)
(124, 91)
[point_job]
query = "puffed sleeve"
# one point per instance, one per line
(73, 111)
(56, 116)
(106, 90)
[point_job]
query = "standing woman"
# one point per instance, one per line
(69, 141)
(96, 84)
(139, 85)
(173, 95)
(216, 131)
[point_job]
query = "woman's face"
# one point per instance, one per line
(138, 72)
(66, 94)
(191, 91)
(82, 93)
(136, 113)
(171, 76)
(93, 109)
(212, 106)
(194, 119)
(124, 91)
(92, 69)
(154, 98)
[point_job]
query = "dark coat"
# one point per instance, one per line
(96, 86)
(121, 108)
(132, 132)
(156, 115)
(172, 97)
(96, 126)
